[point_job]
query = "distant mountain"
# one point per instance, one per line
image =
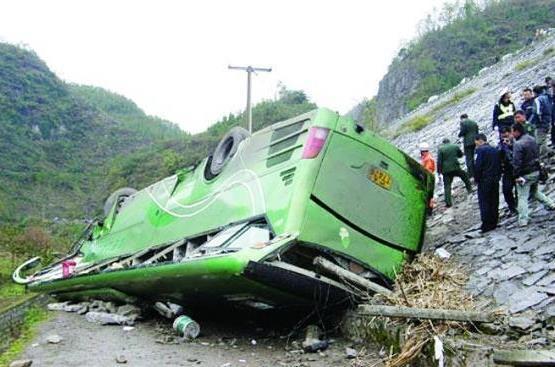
(65, 147)
(455, 44)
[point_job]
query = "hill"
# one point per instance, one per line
(65, 147)
(456, 43)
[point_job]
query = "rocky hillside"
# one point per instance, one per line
(454, 44)
(511, 265)
(475, 96)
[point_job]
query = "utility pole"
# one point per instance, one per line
(249, 69)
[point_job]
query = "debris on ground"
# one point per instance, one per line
(54, 339)
(186, 327)
(105, 318)
(312, 342)
(21, 363)
(121, 359)
(351, 353)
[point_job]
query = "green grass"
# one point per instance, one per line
(456, 98)
(28, 331)
(10, 292)
(419, 122)
(526, 64)
(549, 51)
(414, 124)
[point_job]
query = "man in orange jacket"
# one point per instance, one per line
(426, 158)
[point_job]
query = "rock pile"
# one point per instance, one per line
(100, 312)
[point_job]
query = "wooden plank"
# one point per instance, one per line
(330, 267)
(525, 357)
(425, 313)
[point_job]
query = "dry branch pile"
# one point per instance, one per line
(427, 282)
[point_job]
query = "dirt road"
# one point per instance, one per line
(222, 343)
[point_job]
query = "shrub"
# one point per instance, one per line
(526, 64)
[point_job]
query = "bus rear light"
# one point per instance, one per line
(315, 142)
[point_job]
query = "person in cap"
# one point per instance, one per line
(468, 130)
(449, 167)
(426, 158)
(526, 168)
(487, 174)
(503, 111)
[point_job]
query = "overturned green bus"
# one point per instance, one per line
(245, 224)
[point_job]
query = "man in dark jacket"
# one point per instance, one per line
(542, 109)
(528, 107)
(468, 131)
(503, 112)
(448, 166)
(487, 172)
(507, 178)
(526, 167)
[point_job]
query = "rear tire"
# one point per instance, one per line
(121, 195)
(225, 150)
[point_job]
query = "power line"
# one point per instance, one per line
(249, 69)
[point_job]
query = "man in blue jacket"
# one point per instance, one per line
(487, 172)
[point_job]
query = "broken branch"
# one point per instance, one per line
(525, 357)
(425, 313)
(352, 277)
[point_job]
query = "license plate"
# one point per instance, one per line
(381, 178)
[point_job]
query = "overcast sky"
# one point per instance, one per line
(171, 57)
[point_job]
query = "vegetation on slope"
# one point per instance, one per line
(64, 148)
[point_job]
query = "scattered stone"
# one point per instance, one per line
(129, 310)
(121, 359)
(105, 318)
(504, 292)
(525, 299)
(21, 363)
(532, 279)
(312, 342)
(72, 308)
(56, 306)
(537, 266)
(545, 249)
(442, 253)
(128, 328)
(547, 280)
(505, 274)
(351, 353)
(54, 339)
(522, 323)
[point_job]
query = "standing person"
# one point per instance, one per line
(503, 112)
(487, 173)
(528, 107)
(526, 165)
(542, 109)
(550, 93)
(448, 166)
(507, 178)
(468, 130)
(520, 118)
(426, 158)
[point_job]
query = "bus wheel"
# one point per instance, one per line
(225, 150)
(120, 195)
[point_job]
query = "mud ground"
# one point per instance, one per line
(224, 342)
